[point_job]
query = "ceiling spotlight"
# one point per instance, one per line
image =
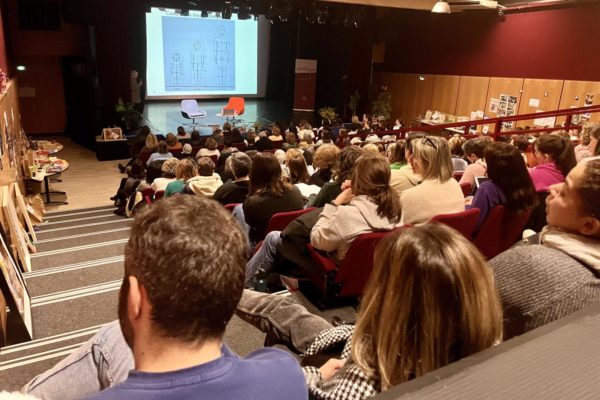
(441, 7)
(227, 10)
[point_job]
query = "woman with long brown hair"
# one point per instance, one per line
(430, 301)
(367, 204)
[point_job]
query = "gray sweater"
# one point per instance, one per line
(538, 285)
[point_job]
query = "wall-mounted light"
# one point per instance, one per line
(421, 77)
(21, 68)
(441, 7)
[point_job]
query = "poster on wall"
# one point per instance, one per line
(494, 104)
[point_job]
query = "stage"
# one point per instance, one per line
(165, 116)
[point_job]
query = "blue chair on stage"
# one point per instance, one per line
(190, 110)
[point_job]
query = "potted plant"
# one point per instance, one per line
(353, 102)
(127, 113)
(382, 104)
(328, 114)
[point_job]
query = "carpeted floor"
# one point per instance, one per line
(74, 285)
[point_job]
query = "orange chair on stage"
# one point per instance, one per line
(234, 108)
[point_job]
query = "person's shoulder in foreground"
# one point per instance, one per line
(263, 374)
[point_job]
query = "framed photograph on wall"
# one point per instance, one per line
(14, 290)
(112, 134)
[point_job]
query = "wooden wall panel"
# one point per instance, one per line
(411, 96)
(547, 91)
(472, 95)
(445, 93)
(579, 89)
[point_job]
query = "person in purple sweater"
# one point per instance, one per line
(509, 185)
(184, 276)
(556, 157)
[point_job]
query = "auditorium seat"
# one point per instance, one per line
(346, 281)
(464, 222)
(148, 195)
(466, 188)
(159, 195)
(500, 230)
(280, 221)
(230, 206)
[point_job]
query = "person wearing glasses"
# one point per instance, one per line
(438, 193)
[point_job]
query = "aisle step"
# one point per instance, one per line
(79, 214)
(57, 213)
(94, 251)
(78, 221)
(86, 228)
(75, 278)
(85, 238)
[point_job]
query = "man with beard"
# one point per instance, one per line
(184, 275)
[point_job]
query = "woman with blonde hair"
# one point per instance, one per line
(438, 193)
(325, 160)
(210, 149)
(430, 301)
(186, 169)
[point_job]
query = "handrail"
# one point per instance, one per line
(498, 121)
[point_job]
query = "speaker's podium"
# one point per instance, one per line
(111, 145)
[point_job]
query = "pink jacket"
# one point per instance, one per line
(545, 175)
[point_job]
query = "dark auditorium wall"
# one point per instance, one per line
(551, 44)
(4, 60)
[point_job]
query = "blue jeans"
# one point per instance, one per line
(264, 259)
(101, 362)
(105, 360)
(238, 213)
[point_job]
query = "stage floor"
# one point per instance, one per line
(165, 116)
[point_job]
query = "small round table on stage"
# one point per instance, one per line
(44, 173)
(52, 147)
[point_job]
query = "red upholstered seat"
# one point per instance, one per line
(467, 188)
(159, 195)
(236, 104)
(148, 195)
(349, 278)
(231, 206)
(280, 221)
(500, 230)
(464, 222)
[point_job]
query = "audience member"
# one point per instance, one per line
(543, 282)
(594, 138)
(195, 139)
(269, 195)
(474, 149)
(396, 154)
(186, 169)
(436, 295)
(342, 171)
(509, 184)
(234, 136)
(371, 148)
(235, 191)
(175, 302)
(172, 142)
(263, 143)
(290, 141)
(276, 134)
(583, 149)
(556, 158)
(209, 150)
(207, 181)
(186, 151)
(135, 175)
(169, 173)
(438, 193)
(218, 136)
(325, 160)
(298, 173)
(181, 131)
(250, 140)
(162, 153)
(456, 143)
(522, 144)
(405, 178)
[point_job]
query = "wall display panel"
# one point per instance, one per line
(579, 94)
(472, 95)
(445, 93)
(539, 95)
(504, 88)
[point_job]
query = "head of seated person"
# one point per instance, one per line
(169, 168)
(290, 139)
(475, 148)
(325, 157)
(298, 171)
(594, 138)
(431, 158)
(251, 137)
(206, 166)
(456, 143)
(180, 131)
(171, 140)
(186, 169)
(227, 127)
(371, 148)
(437, 295)
(195, 138)
(240, 164)
(162, 147)
(574, 206)
(346, 161)
(151, 142)
(211, 144)
(555, 148)
(265, 176)
(326, 136)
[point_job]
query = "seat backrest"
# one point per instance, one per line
(280, 221)
(231, 206)
(464, 222)
(159, 195)
(500, 230)
(214, 158)
(457, 175)
(466, 188)
(189, 106)
(238, 104)
(148, 195)
(357, 264)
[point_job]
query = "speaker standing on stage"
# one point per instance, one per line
(135, 84)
